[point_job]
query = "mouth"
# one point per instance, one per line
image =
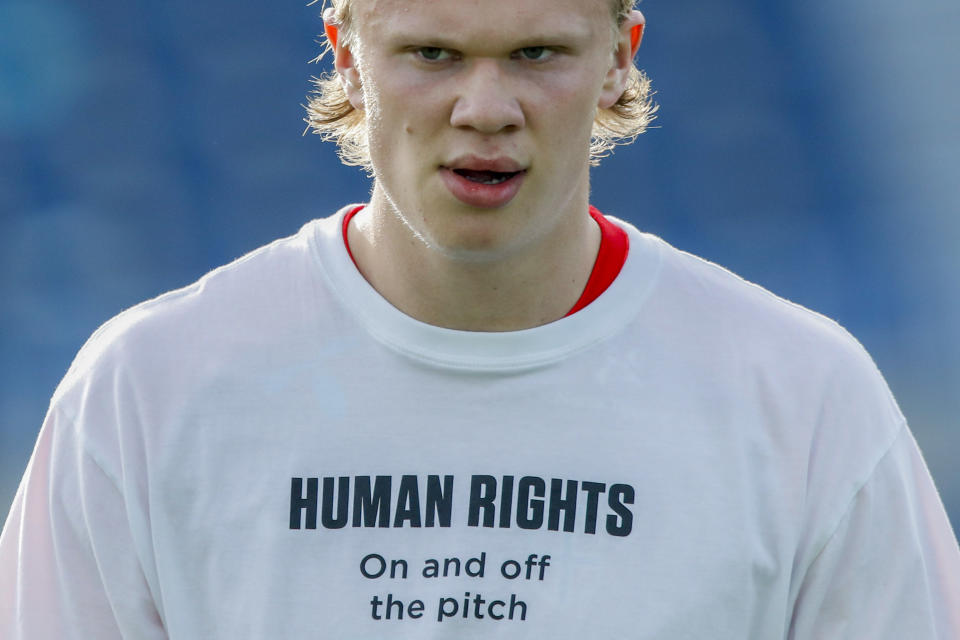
(486, 177)
(483, 184)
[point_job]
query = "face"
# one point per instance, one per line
(479, 113)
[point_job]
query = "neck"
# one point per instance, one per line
(500, 288)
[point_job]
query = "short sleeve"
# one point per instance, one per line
(891, 569)
(68, 565)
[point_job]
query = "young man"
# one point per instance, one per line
(474, 406)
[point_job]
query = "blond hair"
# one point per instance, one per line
(331, 115)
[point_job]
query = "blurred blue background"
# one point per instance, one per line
(812, 148)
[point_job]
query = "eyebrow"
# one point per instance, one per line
(429, 38)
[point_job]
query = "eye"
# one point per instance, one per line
(433, 54)
(534, 54)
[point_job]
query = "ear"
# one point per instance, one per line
(630, 36)
(343, 61)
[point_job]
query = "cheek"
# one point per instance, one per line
(569, 102)
(397, 109)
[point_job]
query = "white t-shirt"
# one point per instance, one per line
(277, 452)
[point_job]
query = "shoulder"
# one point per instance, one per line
(740, 321)
(809, 374)
(772, 341)
(791, 377)
(794, 387)
(225, 308)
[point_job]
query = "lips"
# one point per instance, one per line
(485, 183)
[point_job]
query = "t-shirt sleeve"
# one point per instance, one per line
(69, 568)
(891, 569)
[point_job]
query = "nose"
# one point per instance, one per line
(485, 101)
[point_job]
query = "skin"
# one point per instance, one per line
(445, 83)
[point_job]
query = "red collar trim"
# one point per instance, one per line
(614, 247)
(346, 223)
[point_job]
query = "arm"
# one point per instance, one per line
(891, 569)
(68, 561)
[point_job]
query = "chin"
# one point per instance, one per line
(473, 250)
(476, 242)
